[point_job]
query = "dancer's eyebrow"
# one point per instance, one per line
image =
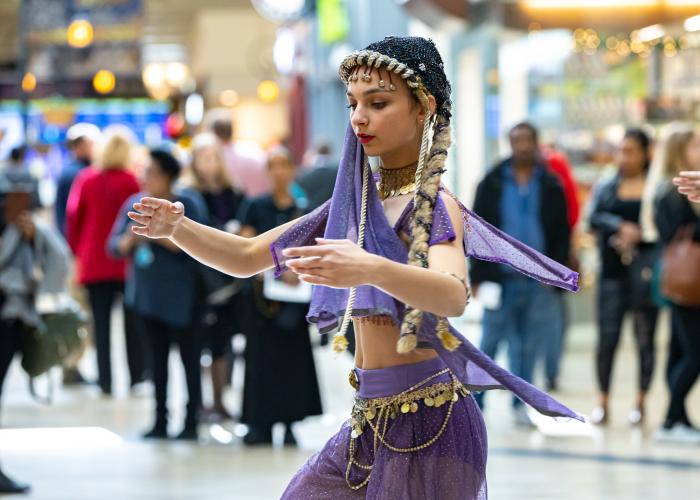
(368, 92)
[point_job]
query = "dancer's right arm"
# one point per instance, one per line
(229, 253)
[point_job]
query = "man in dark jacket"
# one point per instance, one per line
(522, 198)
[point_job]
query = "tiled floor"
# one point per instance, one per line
(84, 446)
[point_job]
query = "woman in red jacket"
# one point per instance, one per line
(93, 204)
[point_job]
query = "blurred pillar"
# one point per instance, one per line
(298, 126)
(476, 115)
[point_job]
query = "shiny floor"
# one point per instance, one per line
(85, 446)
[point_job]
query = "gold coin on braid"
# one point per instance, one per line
(431, 165)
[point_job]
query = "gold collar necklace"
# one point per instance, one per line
(397, 181)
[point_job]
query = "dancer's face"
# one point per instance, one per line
(387, 122)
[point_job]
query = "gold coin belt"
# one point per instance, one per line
(375, 413)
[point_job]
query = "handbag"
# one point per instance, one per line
(54, 341)
(680, 275)
(640, 276)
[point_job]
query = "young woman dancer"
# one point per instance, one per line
(392, 260)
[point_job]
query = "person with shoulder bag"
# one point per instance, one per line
(678, 223)
(627, 262)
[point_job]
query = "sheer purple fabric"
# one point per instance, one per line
(339, 219)
(453, 467)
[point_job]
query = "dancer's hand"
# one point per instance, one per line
(689, 184)
(157, 218)
(333, 263)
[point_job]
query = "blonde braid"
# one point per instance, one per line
(425, 199)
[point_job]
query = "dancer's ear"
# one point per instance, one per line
(422, 114)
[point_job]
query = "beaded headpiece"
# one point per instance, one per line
(413, 58)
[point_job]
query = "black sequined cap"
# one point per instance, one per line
(421, 59)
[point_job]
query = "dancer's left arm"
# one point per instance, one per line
(439, 289)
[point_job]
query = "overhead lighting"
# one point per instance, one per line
(683, 3)
(104, 81)
(268, 91)
(194, 109)
(650, 33)
(228, 97)
(80, 33)
(284, 50)
(153, 75)
(175, 73)
(692, 23)
(29, 83)
(580, 4)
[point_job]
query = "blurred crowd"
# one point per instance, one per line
(647, 236)
(637, 216)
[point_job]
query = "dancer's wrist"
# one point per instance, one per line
(177, 230)
(376, 270)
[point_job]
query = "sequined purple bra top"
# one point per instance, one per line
(339, 218)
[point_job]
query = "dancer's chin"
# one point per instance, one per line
(371, 149)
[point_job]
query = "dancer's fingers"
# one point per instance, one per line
(304, 263)
(144, 209)
(141, 219)
(314, 279)
(313, 251)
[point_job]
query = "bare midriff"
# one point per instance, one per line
(375, 345)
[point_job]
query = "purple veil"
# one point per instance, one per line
(339, 218)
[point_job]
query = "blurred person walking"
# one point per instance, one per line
(524, 199)
(627, 263)
(245, 167)
(676, 216)
(318, 178)
(29, 248)
(93, 204)
(277, 333)
(161, 289)
(15, 176)
(221, 319)
(80, 140)
(559, 165)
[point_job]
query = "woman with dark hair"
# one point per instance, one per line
(161, 289)
(391, 260)
(276, 331)
(627, 262)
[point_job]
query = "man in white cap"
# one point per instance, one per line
(79, 138)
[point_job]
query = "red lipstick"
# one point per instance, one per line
(365, 138)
